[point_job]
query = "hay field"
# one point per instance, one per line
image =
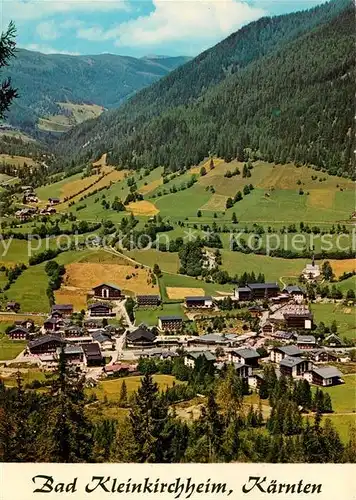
(11, 318)
(101, 162)
(216, 203)
(182, 292)
(343, 266)
(72, 188)
(72, 295)
(18, 161)
(206, 165)
(143, 208)
(150, 186)
(321, 198)
(84, 276)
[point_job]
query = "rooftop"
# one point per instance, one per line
(201, 297)
(196, 354)
(307, 339)
(290, 362)
(327, 372)
(246, 353)
(44, 340)
(110, 285)
(171, 318)
(289, 350)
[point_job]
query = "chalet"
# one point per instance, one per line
(100, 310)
(85, 339)
(93, 354)
(156, 353)
(93, 324)
(13, 307)
(282, 335)
(256, 311)
(19, 333)
(321, 355)
(73, 354)
(45, 344)
(279, 353)
(306, 342)
(74, 331)
(210, 339)
(53, 324)
(242, 370)
(255, 381)
(281, 299)
(104, 340)
(54, 201)
(244, 355)
(29, 324)
(324, 376)
(48, 211)
(148, 300)
(63, 309)
(294, 291)
(299, 319)
(294, 366)
(191, 357)
(267, 328)
(333, 340)
(141, 337)
(255, 291)
(119, 370)
(170, 323)
(107, 291)
(199, 302)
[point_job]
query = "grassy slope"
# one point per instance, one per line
(150, 316)
(344, 317)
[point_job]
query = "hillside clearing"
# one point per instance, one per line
(150, 186)
(182, 292)
(142, 208)
(18, 161)
(216, 203)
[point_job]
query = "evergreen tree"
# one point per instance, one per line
(123, 395)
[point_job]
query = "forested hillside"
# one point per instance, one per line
(282, 87)
(106, 80)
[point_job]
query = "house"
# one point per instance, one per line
(119, 369)
(306, 341)
(253, 291)
(170, 323)
(324, 376)
(45, 344)
(243, 293)
(191, 357)
(321, 355)
(256, 311)
(156, 353)
(245, 355)
(53, 324)
(299, 319)
(73, 354)
(13, 307)
(141, 337)
(98, 309)
(107, 291)
(54, 201)
(104, 340)
(294, 291)
(333, 340)
(283, 335)
(148, 300)
(63, 309)
(93, 324)
(279, 353)
(93, 354)
(294, 366)
(29, 324)
(255, 381)
(281, 299)
(267, 328)
(19, 333)
(74, 331)
(242, 370)
(210, 339)
(199, 302)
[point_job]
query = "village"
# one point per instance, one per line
(100, 348)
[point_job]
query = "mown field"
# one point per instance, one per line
(345, 318)
(9, 349)
(149, 316)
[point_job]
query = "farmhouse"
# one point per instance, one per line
(199, 302)
(53, 324)
(19, 333)
(148, 300)
(156, 353)
(306, 341)
(324, 376)
(256, 311)
(311, 271)
(105, 341)
(100, 310)
(73, 354)
(45, 344)
(244, 355)
(296, 292)
(13, 307)
(29, 324)
(63, 309)
(267, 327)
(107, 291)
(74, 331)
(321, 355)
(191, 357)
(294, 367)
(279, 353)
(210, 339)
(119, 369)
(333, 340)
(299, 319)
(141, 337)
(92, 354)
(170, 323)
(93, 324)
(254, 291)
(54, 201)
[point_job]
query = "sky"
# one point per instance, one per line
(134, 27)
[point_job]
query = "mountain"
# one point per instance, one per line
(281, 87)
(97, 81)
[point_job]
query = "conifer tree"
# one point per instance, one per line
(123, 395)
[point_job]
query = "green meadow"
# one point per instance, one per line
(344, 316)
(149, 316)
